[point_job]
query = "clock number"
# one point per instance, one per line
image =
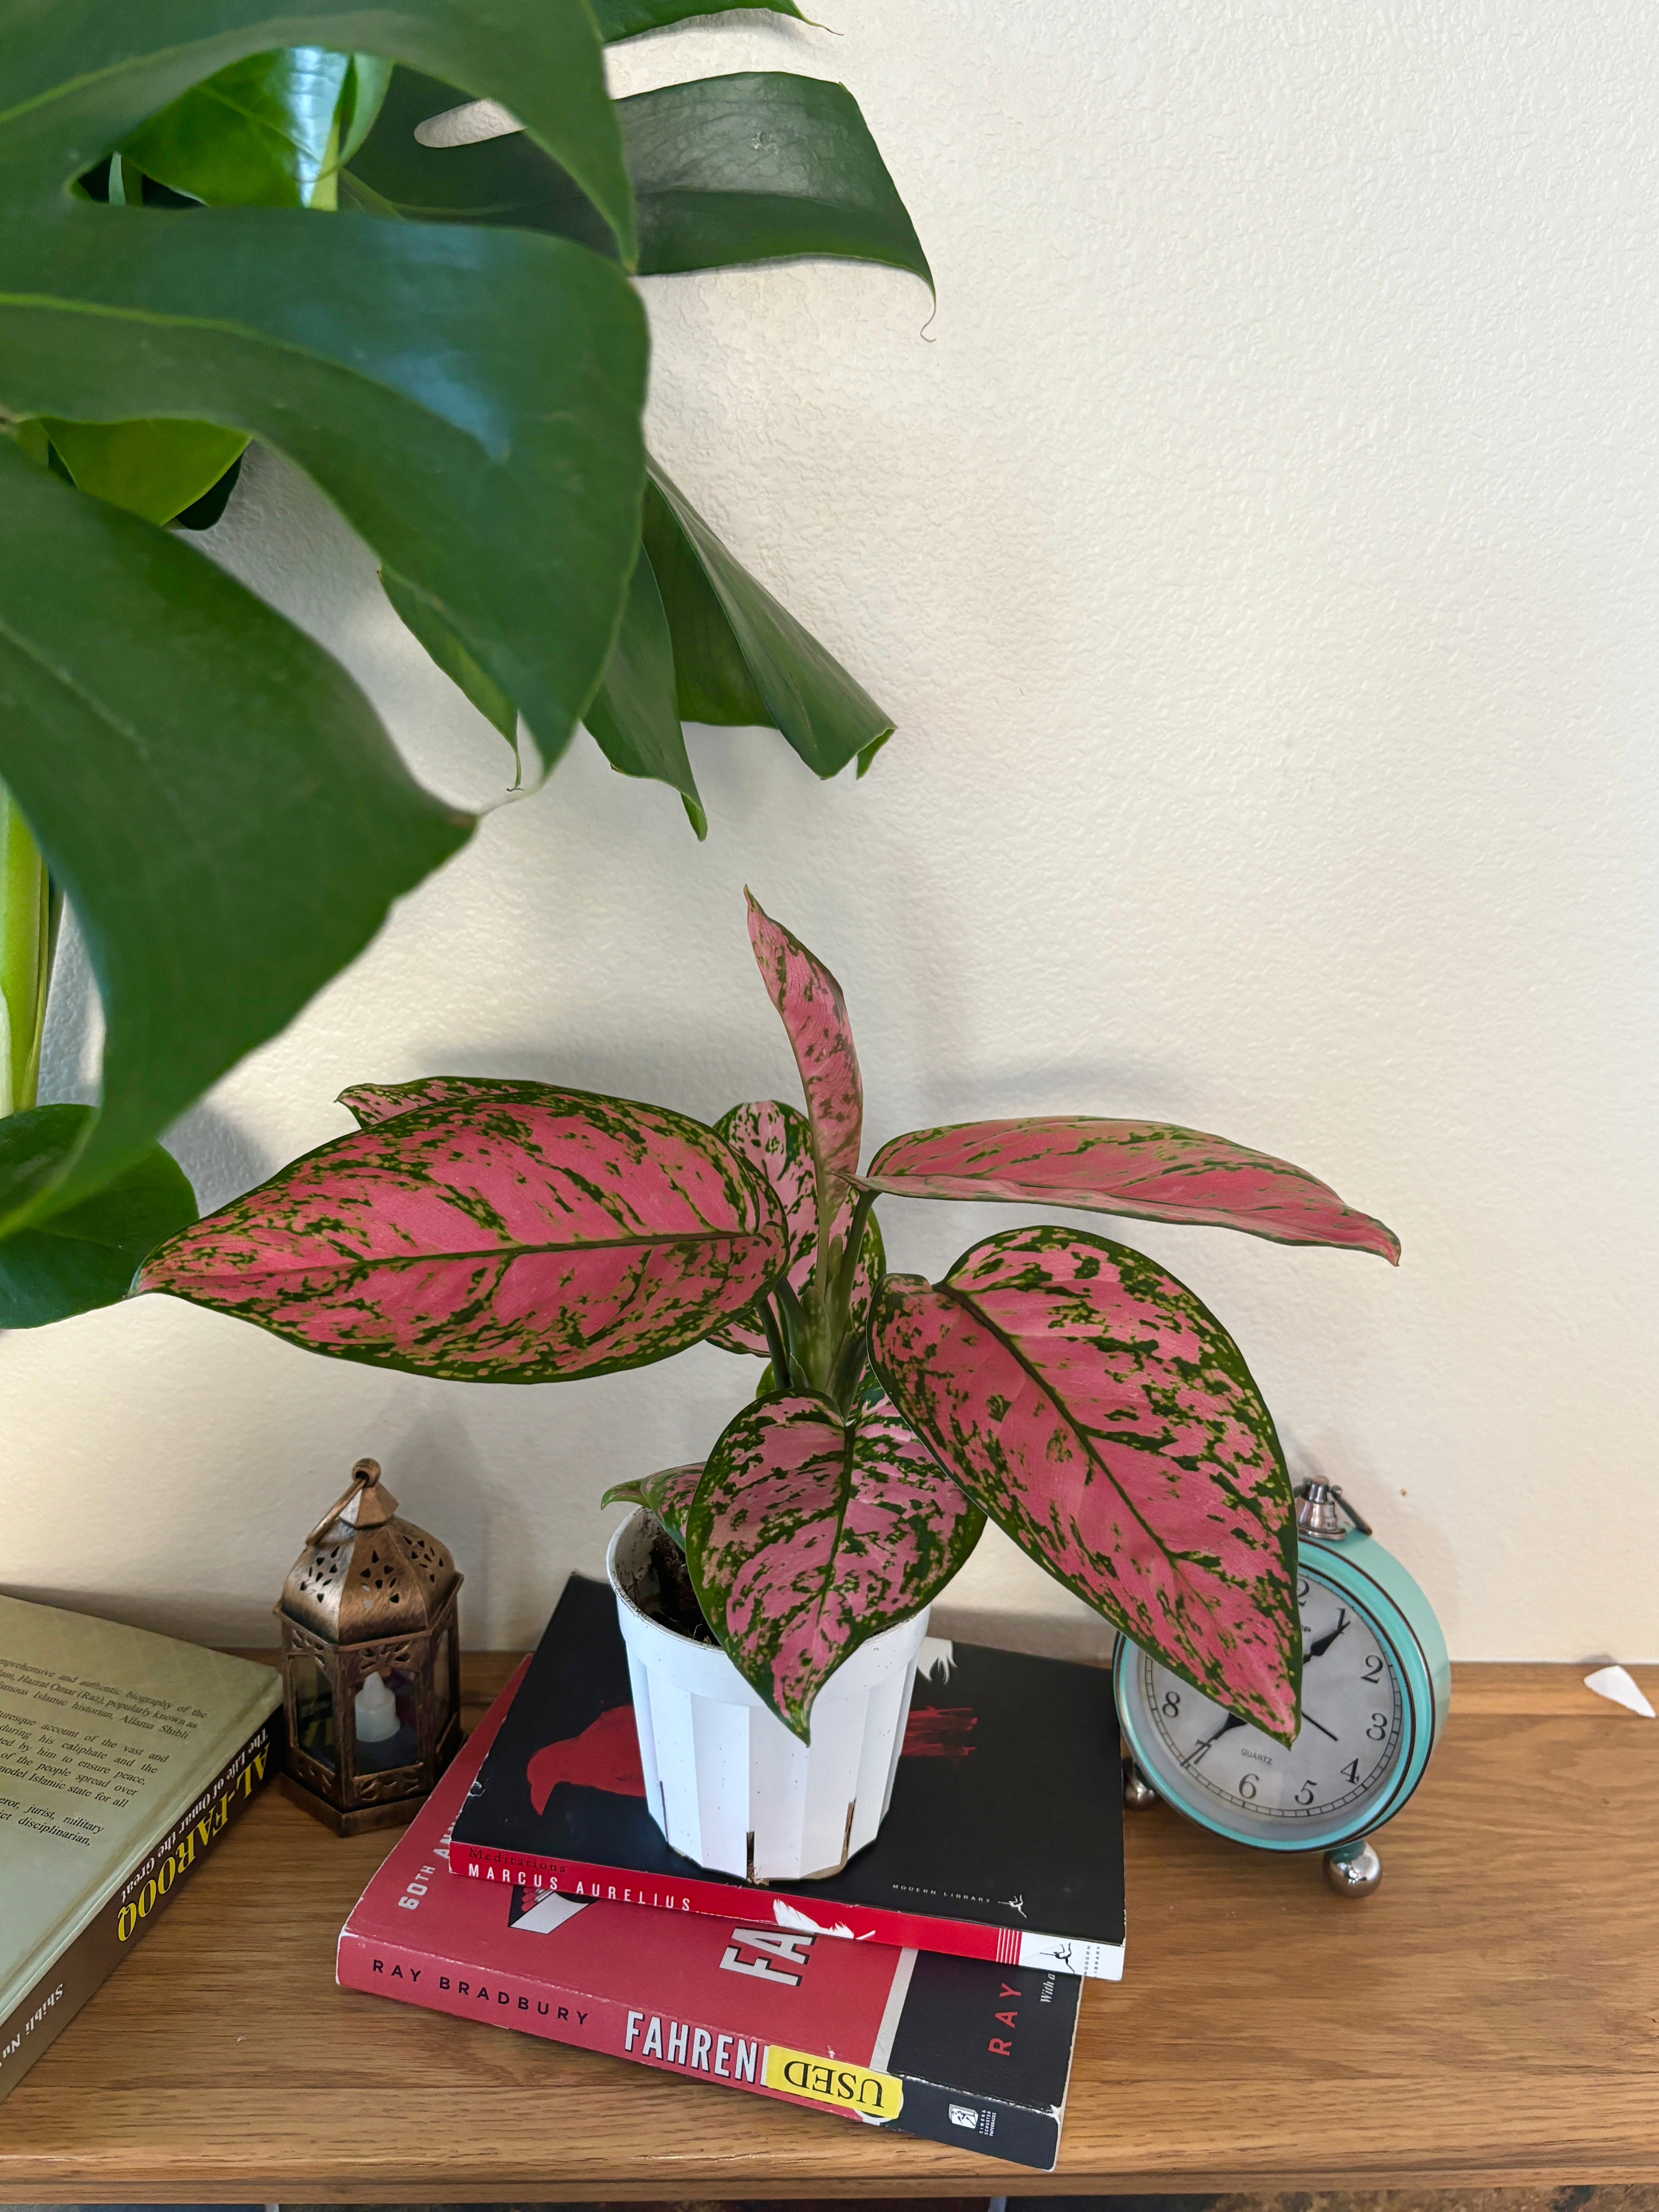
(1379, 1727)
(1351, 1771)
(1373, 1670)
(1304, 1795)
(1171, 1705)
(1301, 1591)
(1247, 1789)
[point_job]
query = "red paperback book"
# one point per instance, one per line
(1004, 1840)
(955, 2050)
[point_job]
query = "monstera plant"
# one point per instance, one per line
(1059, 1382)
(214, 232)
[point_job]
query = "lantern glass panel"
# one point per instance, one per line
(403, 1747)
(313, 1709)
(441, 1679)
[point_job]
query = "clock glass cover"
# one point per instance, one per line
(1354, 1722)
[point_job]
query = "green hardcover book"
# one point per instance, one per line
(123, 1756)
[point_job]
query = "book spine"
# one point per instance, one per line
(155, 1877)
(442, 1983)
(865, 1923)
(992, 2126)
(703, 2052)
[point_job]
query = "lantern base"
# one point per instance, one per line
(397, 1815)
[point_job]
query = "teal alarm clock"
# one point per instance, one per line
(1375, 1686)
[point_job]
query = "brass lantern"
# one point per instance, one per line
(371, 1663)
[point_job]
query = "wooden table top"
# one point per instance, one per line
(1490, 2016)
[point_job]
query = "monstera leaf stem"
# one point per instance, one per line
(28, 926)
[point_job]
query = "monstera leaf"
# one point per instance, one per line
(525, 1237)
(626, 19)
(468, 399)
(736, 169)
(155, 469)
(85, 1255)
(265, 132)
(776, 1141)
(809, 1534)
(1103, 1417)
(633, 715)
(216, 886)
(739, 657)
(1147, 1169)
(668, 1495)
(726, 171)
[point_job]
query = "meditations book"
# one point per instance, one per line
(958, 2050)
(1004, 1840)
(124, 1757)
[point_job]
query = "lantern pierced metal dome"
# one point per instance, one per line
(365, 1572)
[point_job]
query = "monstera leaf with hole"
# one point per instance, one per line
(810, 1533)
(469, 399)
(466, 393)
(1106, 1420)
(752, 167)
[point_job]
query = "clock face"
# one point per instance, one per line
(1353, 1723)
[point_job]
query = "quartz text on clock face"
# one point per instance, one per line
(1351, 1724)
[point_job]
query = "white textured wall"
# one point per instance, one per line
(1258, 553)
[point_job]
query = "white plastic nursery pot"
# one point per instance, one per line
(725, 1781)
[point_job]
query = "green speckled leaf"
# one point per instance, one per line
(1101, 1415)
(524, 1236)
(809, 1535)
(667, 1494)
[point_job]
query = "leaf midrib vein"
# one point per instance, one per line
(511, 1251)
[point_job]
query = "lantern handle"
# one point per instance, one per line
(365, 1505)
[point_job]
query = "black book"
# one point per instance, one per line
(1004, 1840)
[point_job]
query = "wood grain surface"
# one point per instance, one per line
(1490, 2018)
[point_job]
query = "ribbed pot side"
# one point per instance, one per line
(725, 1781)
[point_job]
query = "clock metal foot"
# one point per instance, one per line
(1354, 1870)
(1137, 1790)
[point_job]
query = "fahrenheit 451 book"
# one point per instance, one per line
(1004, 1840)
(959, 2050)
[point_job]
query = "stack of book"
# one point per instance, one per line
(932, 1984)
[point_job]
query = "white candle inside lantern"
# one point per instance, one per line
(377, 1711)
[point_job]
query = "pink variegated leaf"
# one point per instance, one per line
(808, 999)
(375, 1102)
(1148, 1168)
(497, 1239)
(667, 1494)
(776, 1141)
(808, 1536)
(1103, 1416)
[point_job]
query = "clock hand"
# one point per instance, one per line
(1310, 1722)
(1322, 1644)
(1233, 1721)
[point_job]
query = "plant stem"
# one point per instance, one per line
(28, 928)
(774, 1344)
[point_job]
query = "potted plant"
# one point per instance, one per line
(188, 261)
(1056, 1382)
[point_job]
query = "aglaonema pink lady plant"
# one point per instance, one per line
(1058, 1382)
